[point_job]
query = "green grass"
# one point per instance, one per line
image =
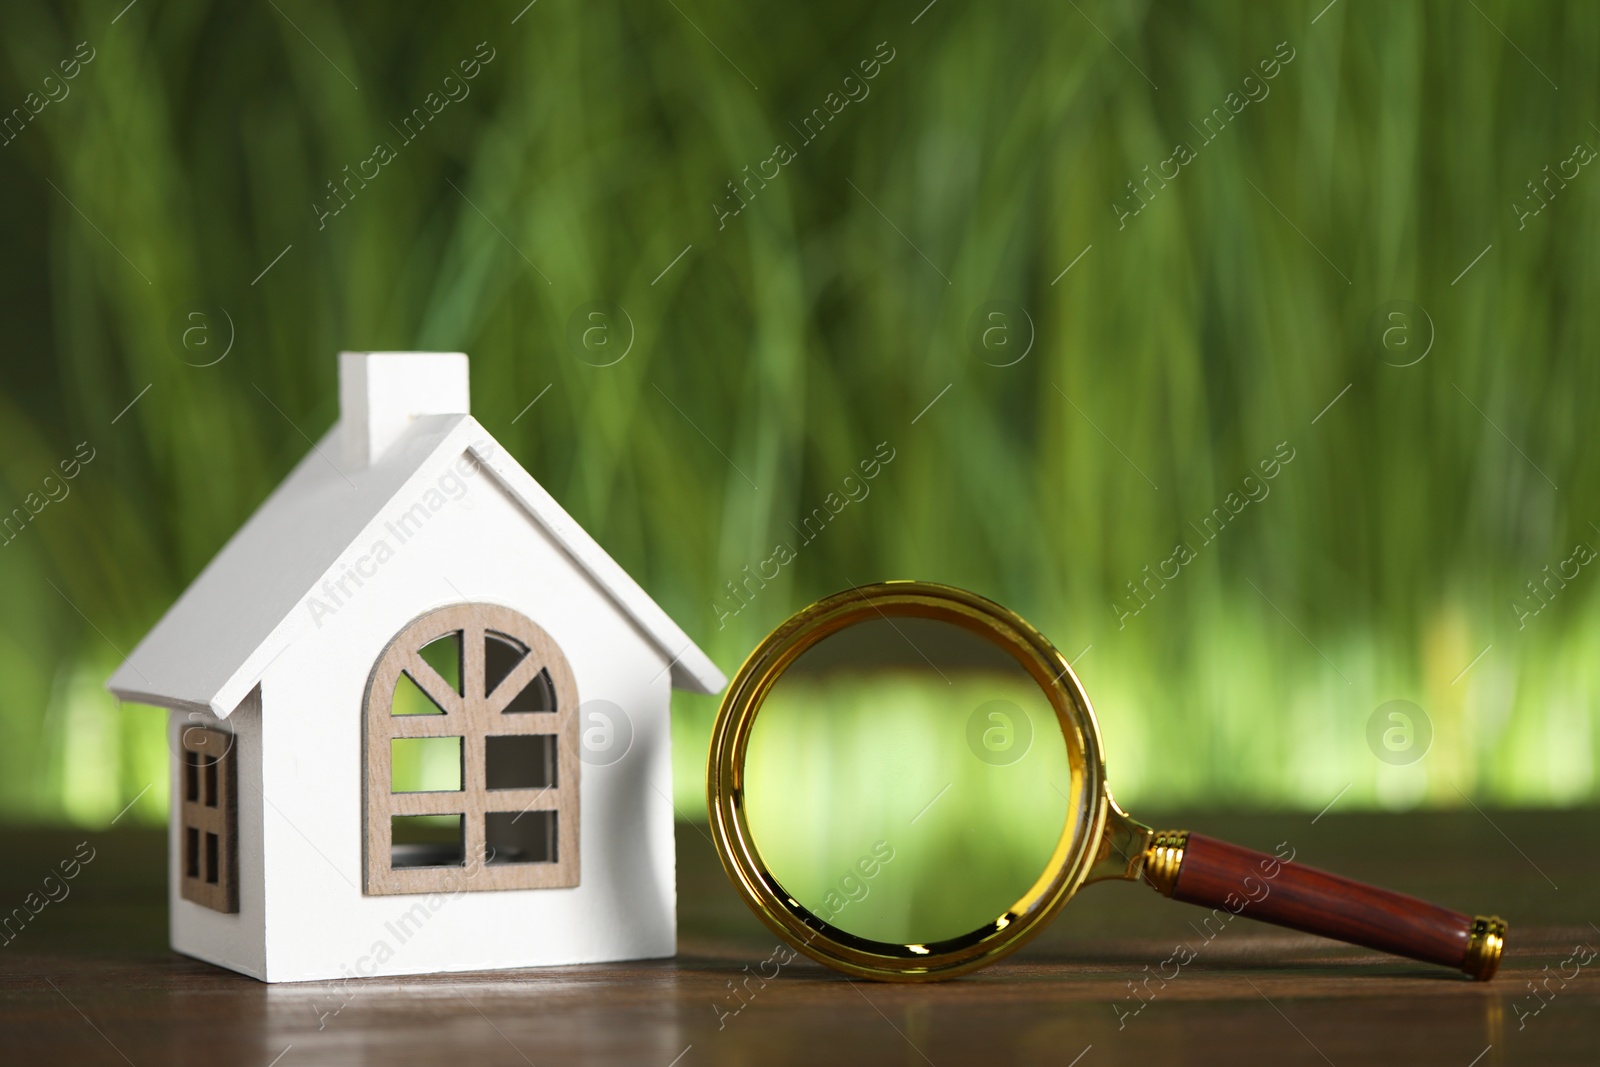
(774, 357)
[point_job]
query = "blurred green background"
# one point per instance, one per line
(1385, 169)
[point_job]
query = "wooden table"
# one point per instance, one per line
(90, 979)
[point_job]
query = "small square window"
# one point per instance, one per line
(426, 841)
(425, 765)
(520, 761)
(520, 837)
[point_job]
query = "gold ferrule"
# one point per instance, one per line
(1162, 858)
(1487, 942)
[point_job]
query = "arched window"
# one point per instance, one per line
(470, 756)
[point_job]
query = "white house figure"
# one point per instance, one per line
(420, 720)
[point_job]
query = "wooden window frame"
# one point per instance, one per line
(208, 824)
(473, 716)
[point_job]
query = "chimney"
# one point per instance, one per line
(381, 392)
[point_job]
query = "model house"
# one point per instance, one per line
(419, 719)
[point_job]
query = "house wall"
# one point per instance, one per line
(238, 940)
(478, 546)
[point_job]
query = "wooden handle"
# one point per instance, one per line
(1202, 870)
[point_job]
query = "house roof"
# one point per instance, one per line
(215, 643)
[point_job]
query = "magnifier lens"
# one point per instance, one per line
(906, 780)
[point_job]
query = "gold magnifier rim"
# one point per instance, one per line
(1074, 852)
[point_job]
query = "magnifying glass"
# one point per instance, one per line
(906, 782)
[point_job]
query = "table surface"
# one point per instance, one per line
(90, 979)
